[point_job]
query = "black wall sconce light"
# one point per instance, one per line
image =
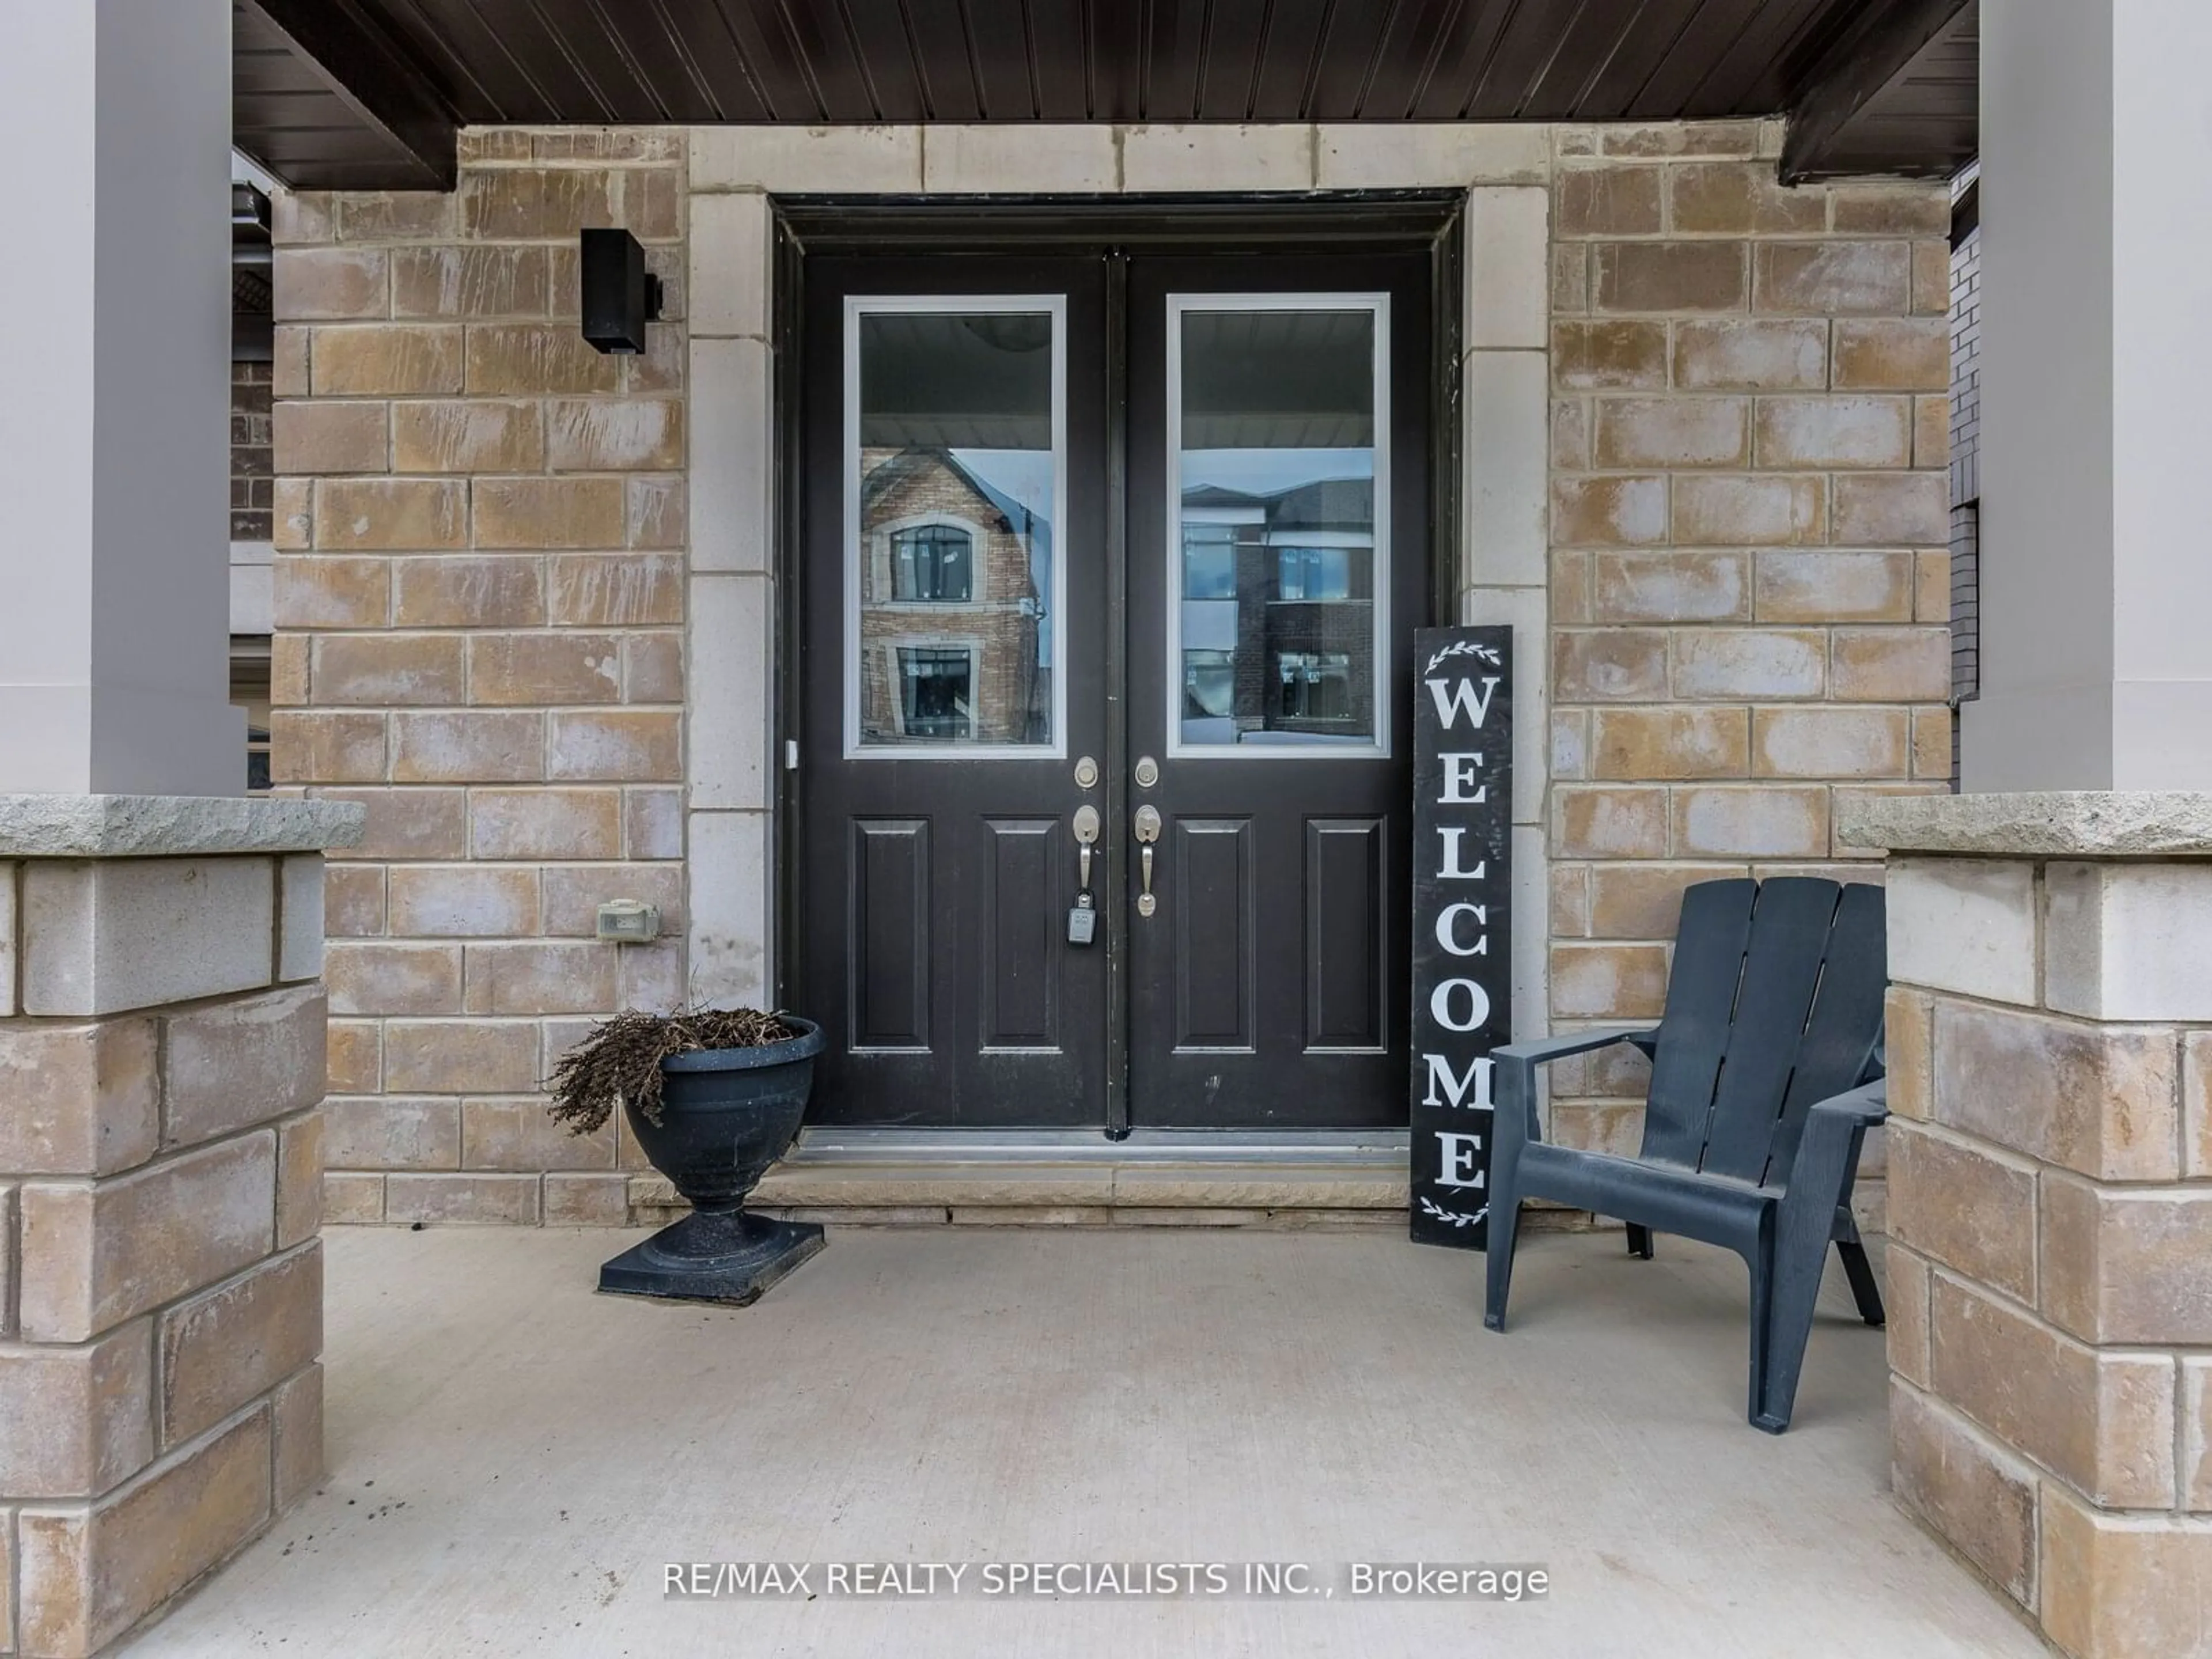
(620, 296)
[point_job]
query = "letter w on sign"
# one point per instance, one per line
(1461, 931)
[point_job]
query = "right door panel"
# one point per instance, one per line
(1278, 561)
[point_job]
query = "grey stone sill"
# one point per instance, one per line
(2088, 824)
(171, 826)
(1195, 1185)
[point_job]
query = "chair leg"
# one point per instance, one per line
(1814, 1212)
(1762, 1412)
(1865, 1291)
(1504, 1231)
(1639, 1241)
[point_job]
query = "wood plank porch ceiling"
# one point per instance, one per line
(339, 92)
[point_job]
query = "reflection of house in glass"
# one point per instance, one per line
(950, 605)
(1278, 611)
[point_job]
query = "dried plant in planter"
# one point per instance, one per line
(620, 1061)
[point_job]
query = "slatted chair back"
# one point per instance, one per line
(1774, 1002)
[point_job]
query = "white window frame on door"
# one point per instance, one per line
(856, 549)
(1326, 748)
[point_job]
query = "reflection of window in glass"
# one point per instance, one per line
(1209, 562)
(249, 691)
(933, 562)
(1314, 573)
(1277, 460)
(1316, 685)
(954, 474)
(936, 691)
(1209, 684)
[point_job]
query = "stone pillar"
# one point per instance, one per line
(2051, 1200)
(161, 1062)
(2094, 674)
(115, 623)
(162, 1047)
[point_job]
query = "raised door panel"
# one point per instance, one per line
(1348, 937)
(1023, 929)
(888, 954)
(1210, 896)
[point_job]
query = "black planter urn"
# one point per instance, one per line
(725, 1116)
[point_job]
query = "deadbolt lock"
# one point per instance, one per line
(1148, 772)
(1086, 774)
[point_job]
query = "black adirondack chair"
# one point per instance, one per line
(1765, 1078)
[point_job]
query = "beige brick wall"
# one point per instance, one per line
(484, 539)
(479, 599)
(1749, 521)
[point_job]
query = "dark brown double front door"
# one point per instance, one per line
(1109, 567)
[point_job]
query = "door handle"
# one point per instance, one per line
(1083, 919)
(1147, 826)
(1086, 827)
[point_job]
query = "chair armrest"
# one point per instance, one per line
(1544, 1050)
(1829, 1144)
(1515, 1120)
(1866, 1105)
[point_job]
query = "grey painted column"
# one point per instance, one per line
(114, 545)
(2096, 589)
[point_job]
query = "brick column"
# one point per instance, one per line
(161, 1062)
(2051, 1200)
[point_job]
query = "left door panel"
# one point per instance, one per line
(952, 589)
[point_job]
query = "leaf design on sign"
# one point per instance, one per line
(1456, 1218)
(1487, 654)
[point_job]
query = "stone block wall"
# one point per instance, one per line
(162, 1060)
(1748, 530)
(2049, 1265)
(481, 529)
(1703, 478)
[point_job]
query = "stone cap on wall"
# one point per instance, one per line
(172, 826)
(2084, 824)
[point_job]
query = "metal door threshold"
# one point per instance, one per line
(1327, 1148)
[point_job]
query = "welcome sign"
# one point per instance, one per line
(1463, 921)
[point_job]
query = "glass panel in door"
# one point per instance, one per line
(955, 462)
(1280, 560)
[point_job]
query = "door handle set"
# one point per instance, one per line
(1087, 827)
(1147, 828)
(1082, 916)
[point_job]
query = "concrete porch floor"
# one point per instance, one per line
(512, 1458)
